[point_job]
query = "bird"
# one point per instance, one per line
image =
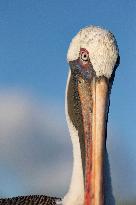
(93, 56)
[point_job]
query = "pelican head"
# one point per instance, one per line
(92, 57)
(99, 45)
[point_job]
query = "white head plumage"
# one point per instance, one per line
(102, 48)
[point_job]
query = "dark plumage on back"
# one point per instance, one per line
(30, 200)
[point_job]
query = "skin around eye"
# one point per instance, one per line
(84, 56)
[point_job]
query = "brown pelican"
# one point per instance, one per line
(92, 57)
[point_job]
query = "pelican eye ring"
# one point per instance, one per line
(84, 56)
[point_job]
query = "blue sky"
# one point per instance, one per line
(34, 38)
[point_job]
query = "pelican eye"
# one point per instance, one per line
(84, 56)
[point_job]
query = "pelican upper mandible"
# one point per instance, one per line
(92, 56)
